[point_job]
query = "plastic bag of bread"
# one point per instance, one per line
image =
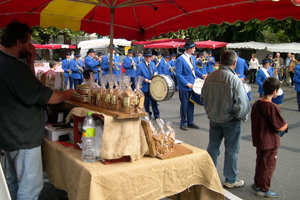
(41, 76)
(122, 87)
(129, 98)
(115, 101)
(109, 92)
(102, 91)
(140, 95)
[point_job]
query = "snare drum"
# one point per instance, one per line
(161, 88)
(198, 85)
(248, 90)
(279, 99)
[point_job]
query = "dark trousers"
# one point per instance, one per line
(154, 105)
(252, 75)
(265, 166)
(186, 108)
(298, 100)
(133, 83)
(292, 77)
(175, 81)
(67, 78)
(76, 82)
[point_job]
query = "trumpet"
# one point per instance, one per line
(80, 71)
(172, 70)
(98, 58)
(276, 62)
(70, 71)
(204, 60)
(133, 65)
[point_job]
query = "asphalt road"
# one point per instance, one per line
(286, 180)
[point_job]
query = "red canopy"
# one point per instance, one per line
(53, 46)
(168, 45)
(141, 19)
(210, 44)
(157, 41)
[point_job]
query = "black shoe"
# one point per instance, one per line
(183, 127)
(194, 126)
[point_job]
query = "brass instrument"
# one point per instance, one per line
(276, 62)
(133, 64)
(70, 71)
(204, 60)
(80, 71)
(172, 70)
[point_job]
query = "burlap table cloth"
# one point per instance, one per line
(121, 137)
(147, 178)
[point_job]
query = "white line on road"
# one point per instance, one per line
(231, 196)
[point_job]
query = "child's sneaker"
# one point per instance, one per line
(269, 193)
(254, 187)
(236, 184)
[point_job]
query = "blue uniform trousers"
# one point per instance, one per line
(186, 108)
(154, 105)
(298, 100)
(67, 78)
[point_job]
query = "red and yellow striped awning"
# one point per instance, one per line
(141, 19)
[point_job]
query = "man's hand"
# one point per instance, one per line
(155, 73)
(31, 56)
(146, 80)
(204, 76)
(189, 85)
(242, 79)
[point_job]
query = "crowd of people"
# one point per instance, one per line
(223, 94)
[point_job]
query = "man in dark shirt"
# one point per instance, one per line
(22, 120)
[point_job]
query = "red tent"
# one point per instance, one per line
(168, 45)
(157, 41)
(210, 44)
(53, 46)
(141, 19)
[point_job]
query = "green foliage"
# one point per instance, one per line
(43, 35)
(270, 31)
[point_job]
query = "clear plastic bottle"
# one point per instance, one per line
(88, 138)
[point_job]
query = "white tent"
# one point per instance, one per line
(248, 45)
(292, 47)
(103, 42)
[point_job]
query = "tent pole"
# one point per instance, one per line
(112, 12)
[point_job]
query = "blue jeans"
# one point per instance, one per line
(231, 132)
(24, 173)
(186, 108)
(279, 74)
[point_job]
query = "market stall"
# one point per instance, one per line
(147, 178)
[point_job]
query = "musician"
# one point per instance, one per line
(172, 62)
(241, 67)
(148, 70)
(210, 63)
(130, 66)
(100, 56)
(279, 65)
(116, 68)
(195, 54)
(139, 58)
(163, 66)
(201, 63)
(262, 74)
(271, 68)
(186, 73)
(67, 70)
(155, 60)
(91, 62)
(76, 66)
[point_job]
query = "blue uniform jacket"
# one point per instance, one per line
(137, 59)
(128, 67)
(297, 78)
(210, 64)
(184, 73)
(105, 66)
(66, 66)
(241, 67)
(75, 70)
(143, 71)
(260, 78)
(201, 67)
(90, 63)
(173, 64)
(163, 68)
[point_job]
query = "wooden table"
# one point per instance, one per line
(69, 104)
(147, 178)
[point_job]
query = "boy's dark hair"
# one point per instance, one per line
(15, 31)
(86, 73)
(52, 63)
(270, 84)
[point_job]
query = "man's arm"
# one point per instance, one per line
(58, 97)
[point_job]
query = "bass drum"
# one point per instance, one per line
(161, 88)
